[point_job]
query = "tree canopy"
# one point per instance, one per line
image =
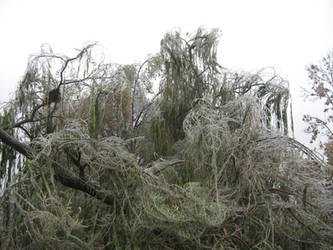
(321, 76)
(175, 153)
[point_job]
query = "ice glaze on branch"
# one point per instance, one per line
(60, 174)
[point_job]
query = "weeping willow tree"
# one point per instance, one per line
(93, 158)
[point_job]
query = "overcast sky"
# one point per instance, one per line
(285, 34)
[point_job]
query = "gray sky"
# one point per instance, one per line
(285, 34)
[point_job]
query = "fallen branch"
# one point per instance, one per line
(158, 166)
(60, 173)
(18, 146)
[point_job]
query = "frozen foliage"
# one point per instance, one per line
(203, 163)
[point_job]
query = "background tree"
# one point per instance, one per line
(203, 163)
(320, 128)
(321, 76)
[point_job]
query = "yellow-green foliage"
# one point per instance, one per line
(161, 136)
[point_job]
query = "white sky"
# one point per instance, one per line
(285, 34)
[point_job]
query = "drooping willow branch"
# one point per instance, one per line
(54, 95)
(30, 119)
(61, 174)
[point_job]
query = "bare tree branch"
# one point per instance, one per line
(30, 119)
(70, 60)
